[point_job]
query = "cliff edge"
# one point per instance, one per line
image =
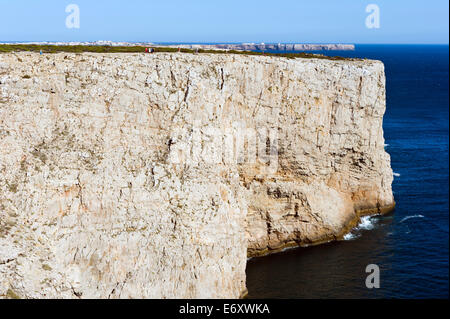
(156, 175)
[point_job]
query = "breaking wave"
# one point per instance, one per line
(411, 216)
(366, 223)
(350, 236)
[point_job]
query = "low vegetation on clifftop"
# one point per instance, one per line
(5, 48)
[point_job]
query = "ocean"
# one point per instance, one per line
(410, 246)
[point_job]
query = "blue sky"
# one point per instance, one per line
(310, 21)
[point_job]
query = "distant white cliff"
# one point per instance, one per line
(241, 46)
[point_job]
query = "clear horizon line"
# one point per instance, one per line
(227, 42)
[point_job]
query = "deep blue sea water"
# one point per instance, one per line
(411, 245)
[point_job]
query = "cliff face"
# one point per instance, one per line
(154, 175)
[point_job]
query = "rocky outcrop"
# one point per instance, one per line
(332, 166)
(154, 175)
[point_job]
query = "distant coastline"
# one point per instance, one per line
(270, 46)
(224, 46)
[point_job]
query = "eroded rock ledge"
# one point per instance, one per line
(102, 194)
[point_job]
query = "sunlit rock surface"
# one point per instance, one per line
(108, 188)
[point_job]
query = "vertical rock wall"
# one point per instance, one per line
(107, 184)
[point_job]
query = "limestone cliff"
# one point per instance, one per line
(115, 180)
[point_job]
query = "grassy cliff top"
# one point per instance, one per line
(6, 48)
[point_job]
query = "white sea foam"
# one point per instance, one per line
(350, 236)
(411, 216)
(366, 223)
(386, 145)
(396, 174)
